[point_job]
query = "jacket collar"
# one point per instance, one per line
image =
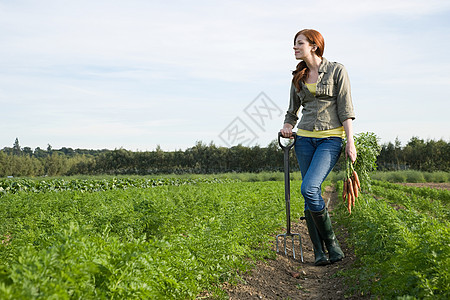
(324, 66)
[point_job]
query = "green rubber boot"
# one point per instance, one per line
(319, 253)
(323, 224)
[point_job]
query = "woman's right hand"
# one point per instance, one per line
(286, 131)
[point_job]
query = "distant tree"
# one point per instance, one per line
(3, 161)
(16, 148)
(39, 153)
(55, 165)
(27, 151)
(67, 151)
(398, 153)
(415, 153)
(7, 150)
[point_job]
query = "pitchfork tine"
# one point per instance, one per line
(285, 248)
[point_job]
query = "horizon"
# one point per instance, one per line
(202, 142)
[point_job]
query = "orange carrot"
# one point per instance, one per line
(349, 197)
(353, 200)
(344, 190)
(350, 185)
(355, 188)
(356, 178)
(350, 188)
(349, 203)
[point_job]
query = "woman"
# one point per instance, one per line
(322, 89)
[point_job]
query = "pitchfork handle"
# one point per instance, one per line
(287, 185)
(289, 146)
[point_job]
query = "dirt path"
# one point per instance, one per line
(286, 278)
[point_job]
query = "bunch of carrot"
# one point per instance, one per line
(352, 186)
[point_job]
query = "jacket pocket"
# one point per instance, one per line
(328, 88)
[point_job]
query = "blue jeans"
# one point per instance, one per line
(316, 158)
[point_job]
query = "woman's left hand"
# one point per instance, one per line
(350, 150)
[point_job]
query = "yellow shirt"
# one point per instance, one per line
(338, 132)
(312, 87)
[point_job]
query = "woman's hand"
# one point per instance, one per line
(350, 149)
(286, 131)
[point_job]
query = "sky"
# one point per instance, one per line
(142, 74)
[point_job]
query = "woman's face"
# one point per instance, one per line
(303, 48)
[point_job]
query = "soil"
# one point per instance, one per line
(289, 278)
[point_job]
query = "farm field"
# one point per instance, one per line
(183, 238)
(158, 242)
(401, 237)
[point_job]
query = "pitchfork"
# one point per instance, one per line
(287, 195)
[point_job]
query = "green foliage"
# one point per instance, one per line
(401, 238)
(367, 148)
(170, 241)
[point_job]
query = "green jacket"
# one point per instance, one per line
(332, 104)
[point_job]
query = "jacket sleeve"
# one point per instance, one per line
(291, 116)
(344, 97)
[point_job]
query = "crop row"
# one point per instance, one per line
(401, 239)
(424, 200)
(437, 194)
(95, 185)
(166, 242)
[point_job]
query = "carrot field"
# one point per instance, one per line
(132, 238)
(176, 238)
(401, 237)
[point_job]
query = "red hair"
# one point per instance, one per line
(314, 38)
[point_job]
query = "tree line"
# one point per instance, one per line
(417, 154)
(202, 158)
